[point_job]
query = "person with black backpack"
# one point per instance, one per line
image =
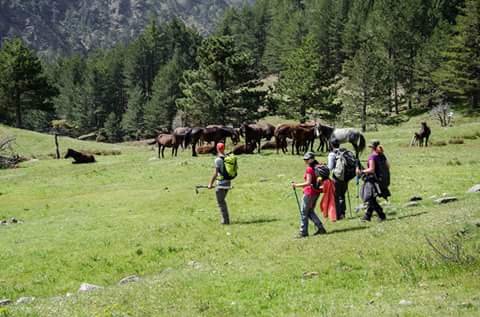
(225, 170)
(342, 163)
(376, 179)
(311, 193)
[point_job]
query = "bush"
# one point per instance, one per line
(456, 140)
(439, 143)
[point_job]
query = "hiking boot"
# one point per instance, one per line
(301, 236)
(320, 231)
(366, 218)
(382, 219)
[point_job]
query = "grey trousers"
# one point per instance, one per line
(308, 212)
(222, 204)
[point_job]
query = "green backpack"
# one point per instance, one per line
(230, 167)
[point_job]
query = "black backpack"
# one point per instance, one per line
(345, 165)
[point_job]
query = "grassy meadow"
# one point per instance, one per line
(132, 214)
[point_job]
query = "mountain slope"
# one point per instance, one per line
(61, 26)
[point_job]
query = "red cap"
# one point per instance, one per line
(220, 147)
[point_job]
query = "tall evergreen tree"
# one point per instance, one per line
(222, 90)
(23, 84)
(459, 75)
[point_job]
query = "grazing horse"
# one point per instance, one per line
(323, 133)
(282, 132)
(344, 135)
(180, 135)
(253, 134)
(79, 157)
(193, 137)
(268, 131)
(166, 140)
(309, 135)
(422, 136)
(219, 133)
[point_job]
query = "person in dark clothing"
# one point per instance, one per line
(376, 179)
(341, 187)
(311, 192)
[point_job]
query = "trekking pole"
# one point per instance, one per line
(349, 203)
(296, 197)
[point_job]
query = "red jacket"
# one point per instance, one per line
(327, 204)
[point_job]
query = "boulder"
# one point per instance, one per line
(474, 189)
(85, 287)
(5, 302)
(25, 300)
(411, 204)
(416, 198)
(445, 200)
(129, 279)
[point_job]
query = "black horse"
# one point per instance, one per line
(79, 157)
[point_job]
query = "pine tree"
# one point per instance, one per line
(459, 75)
(363, 80)
(299, 82)
(23, 84)
(133, 124)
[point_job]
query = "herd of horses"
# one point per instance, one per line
(301, 136)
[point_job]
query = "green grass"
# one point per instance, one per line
(129, 214)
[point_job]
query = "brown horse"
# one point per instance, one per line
(422, 136)
(206, 149)
(248, 148)
(166, 140)
(282, 132)
(303, 137)
(79, 157)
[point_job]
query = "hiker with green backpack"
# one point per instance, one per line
(225, 170)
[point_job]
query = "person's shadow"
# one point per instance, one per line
(254, 221)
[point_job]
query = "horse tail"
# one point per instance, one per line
(362, 143)
(152, 142)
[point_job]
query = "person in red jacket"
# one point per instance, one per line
(311, 192)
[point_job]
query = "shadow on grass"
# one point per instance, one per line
(347, 229)
(410, 215)
(254, 221)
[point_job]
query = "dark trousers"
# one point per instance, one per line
(341, 188)
(373, 205)
(221, 194)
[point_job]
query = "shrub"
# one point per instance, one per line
(456, 140)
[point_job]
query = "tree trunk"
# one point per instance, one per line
(364, 112)
(395, 93)
(18, 110)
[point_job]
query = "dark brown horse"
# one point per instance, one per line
(213, 134)
(181, 136)
(79, 157)
(422, 136)
(282, 133)
(253, 134)
(303, 137)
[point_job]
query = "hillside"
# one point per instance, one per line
(61, 27)
(131, 215)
